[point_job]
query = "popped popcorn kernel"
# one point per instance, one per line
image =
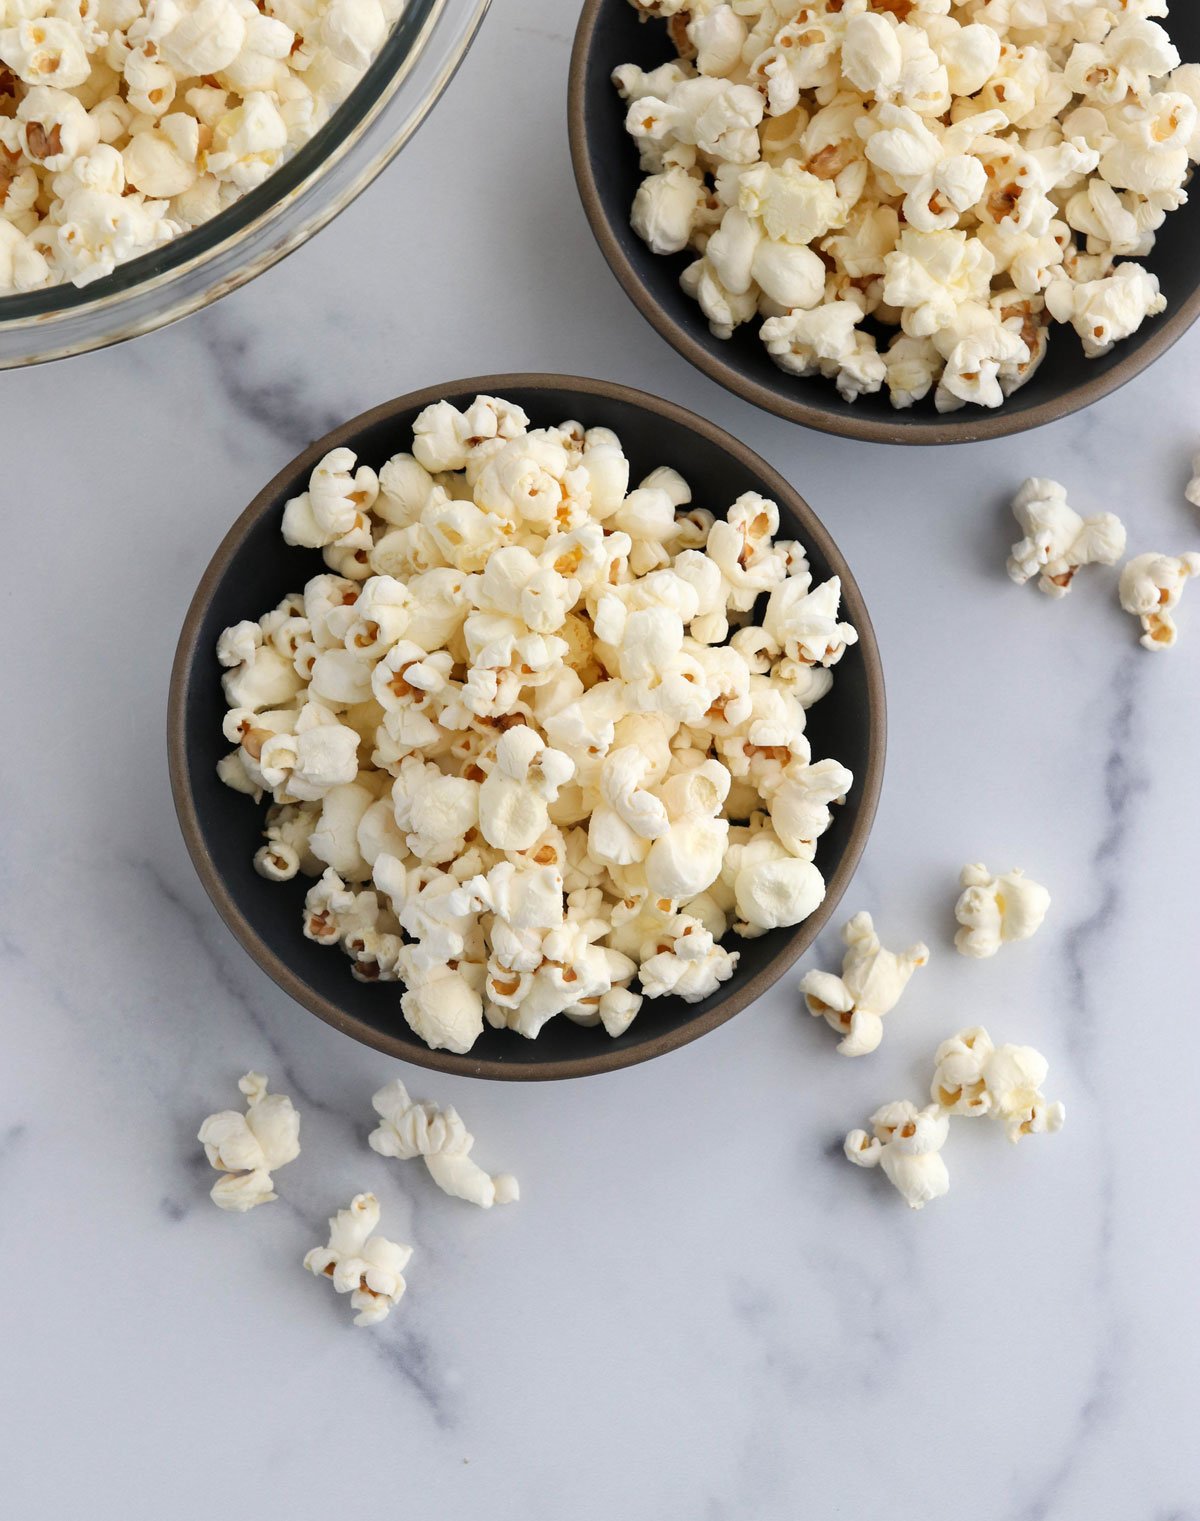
(247, 1148)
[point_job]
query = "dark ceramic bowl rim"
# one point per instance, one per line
(741, 993)
(971, 425)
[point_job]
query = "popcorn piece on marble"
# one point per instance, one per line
(368, 1267)
(973, 1077)
(1150, 589)
(248, 1148)
(995, 911)
(409, 1129)
(906, 1142)
(870, 986)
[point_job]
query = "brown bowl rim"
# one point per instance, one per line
(741, 995)
(965, 427)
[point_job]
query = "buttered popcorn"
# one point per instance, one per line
(525, 733)
(963, 172)
(124, 123)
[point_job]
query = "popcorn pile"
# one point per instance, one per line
(963, 171)
(126, 122)
(527, 731)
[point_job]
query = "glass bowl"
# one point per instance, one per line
(415, 65)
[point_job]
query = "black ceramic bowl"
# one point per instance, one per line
(610, 32)
(254, 568)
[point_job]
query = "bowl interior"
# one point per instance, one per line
(611, 33)
(254, 569)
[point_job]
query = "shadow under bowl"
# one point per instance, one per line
(253, 569)
(605, 159)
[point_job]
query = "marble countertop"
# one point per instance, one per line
(698, 1311)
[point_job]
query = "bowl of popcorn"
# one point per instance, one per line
(156, 154)
(526, 727)
(908, 221)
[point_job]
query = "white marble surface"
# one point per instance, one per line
(697, 1311)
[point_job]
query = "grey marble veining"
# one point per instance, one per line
(697, 1312)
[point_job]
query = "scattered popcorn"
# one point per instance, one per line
(1058, 542)
(524, 735)
(974, 1077)
(369, 1268)
(994, 911)
(127, 123)
(439, 1135)
(870, 986)
(1150, 589)
(248, 1148)
(907, 1143)
(908, 194)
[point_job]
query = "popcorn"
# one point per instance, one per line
(193, 101)
(248, 1148)
(1105, 311)
(994, 911)
(509, 746)
(1150, 589)
(872, 982)
(440, 1137)
(907, 1144)
(1058, 542)
(974, 1077)
(369, 1268)
(1193, 487)
(904, 162)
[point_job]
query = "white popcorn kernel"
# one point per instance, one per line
(1151, 586)
(45, 50)
(770, 894)
(973, 1077)
(155, 166)
(1058, 542)
(411, 1129)
(800, 804)
(718, 36)
(1105, 311)
(666, 208)
(870, 986)
(683, 961)
(1193, 486)
(248, 1148)
(446, 1013)
(334, 839)
(995, 911)
(354, 31)
(368, 1267)
(907, 1144)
